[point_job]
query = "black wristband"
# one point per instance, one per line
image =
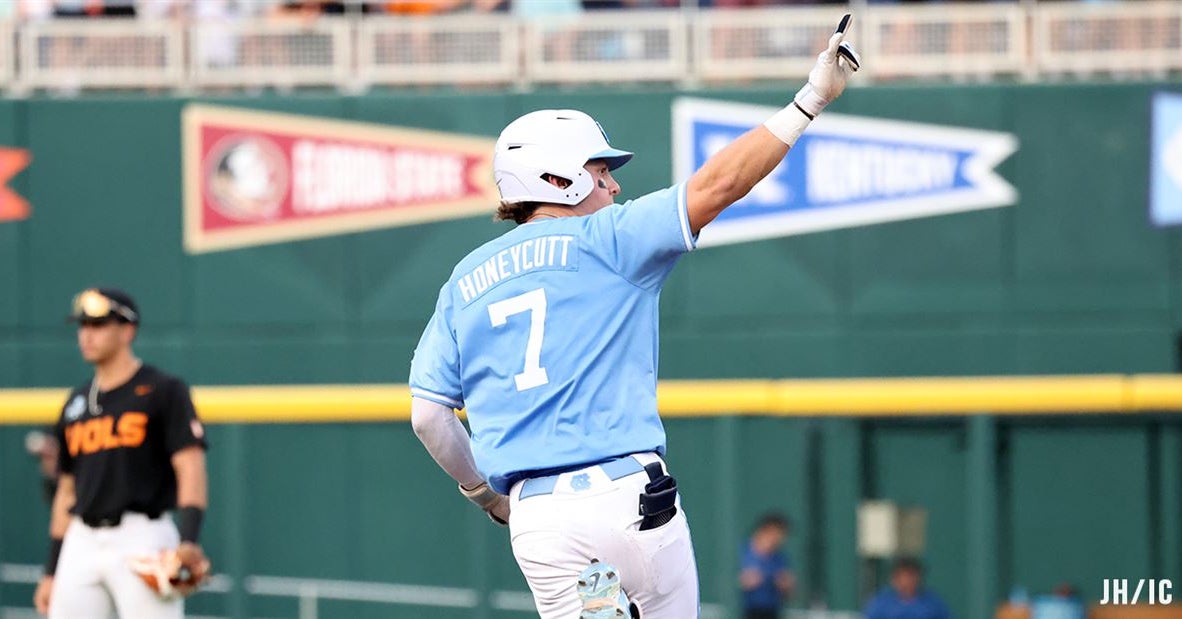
(55, 551)
(189, 523)
(810, 116)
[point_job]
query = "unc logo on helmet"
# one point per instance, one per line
(557, 142)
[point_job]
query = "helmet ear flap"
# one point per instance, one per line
(522, 174)
(509, 184)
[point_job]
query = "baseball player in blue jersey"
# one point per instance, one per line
(547, 335)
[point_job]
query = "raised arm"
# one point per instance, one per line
(732, 172)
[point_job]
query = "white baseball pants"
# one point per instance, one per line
(555, 536)
(93, 576)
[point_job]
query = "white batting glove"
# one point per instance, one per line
(827, 80)
(494, 504)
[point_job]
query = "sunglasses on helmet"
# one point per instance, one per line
(92, 306)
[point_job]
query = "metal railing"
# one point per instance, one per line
(7, 53)
(449, 49)
(762, 44)
(73, 55)
(981, 41)
(1143, 37)
(281, 54)
(310, 591)
(1026, 40)
(608, 47)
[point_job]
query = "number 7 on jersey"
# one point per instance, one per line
(534, 302)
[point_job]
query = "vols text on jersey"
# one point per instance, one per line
(542, 253)
(90, 436)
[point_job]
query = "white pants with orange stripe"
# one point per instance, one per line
(588, 515)
(94, 579)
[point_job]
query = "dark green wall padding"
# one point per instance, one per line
(1072, 279)
(1074, 500)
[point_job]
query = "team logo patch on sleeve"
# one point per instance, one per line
(196, 427)
(75, 408)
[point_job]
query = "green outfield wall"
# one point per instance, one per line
(1072, 279)
(1010, 501)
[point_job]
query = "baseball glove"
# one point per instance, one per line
(494, 504)
(167, 574)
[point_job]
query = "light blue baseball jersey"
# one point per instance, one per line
(548, 336)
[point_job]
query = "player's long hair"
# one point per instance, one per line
(519, 212)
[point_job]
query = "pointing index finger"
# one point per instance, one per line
(843, 24)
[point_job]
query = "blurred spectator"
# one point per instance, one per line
(30, 10)
(743, 42)
(160, 9)
(117, 8)
(44, 447)
(78, 52)
(70, 8)
(765, 575)
(552, 18)
(50, 52)
(737, 4)
(217, 43)
(420, 45)
(66, 52)
(602, 5)
(94, 8)
(488, 6)
(1063, 603)
(256, 50)
(658, 4)
(152, 52)
(309, 10)
(422, 7)
(906, 598)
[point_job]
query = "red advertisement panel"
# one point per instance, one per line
(253, 178)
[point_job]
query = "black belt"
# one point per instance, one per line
(106, 522)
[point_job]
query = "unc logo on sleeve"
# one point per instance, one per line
(75, 408)
(844, 171)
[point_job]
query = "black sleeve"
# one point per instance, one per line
(181, 427)
(65, 461)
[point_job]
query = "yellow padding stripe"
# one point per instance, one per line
(1150, 392)
(923, 396)
(271, 404)
(1018, 395)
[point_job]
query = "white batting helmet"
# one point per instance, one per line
(557, 142)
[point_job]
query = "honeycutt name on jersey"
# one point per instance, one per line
(546, 252)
